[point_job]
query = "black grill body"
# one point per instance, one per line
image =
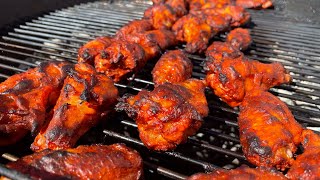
(58, 35)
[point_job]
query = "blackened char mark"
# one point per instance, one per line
(255, 147)
(23, 86)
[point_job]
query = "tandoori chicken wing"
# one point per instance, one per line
(239, 15)
(169, 114)
(162, 16)
(84, 162)
(194, 31)
(179, 6)
(307, 165)
(90, 50)
(27, 97)
(256, 4)
(135, 26)
(173, 67)
(208, 4)
(164, 38)
(239, 38)
(120, 59)
(269, 134)
(241, 173)
(86, 98)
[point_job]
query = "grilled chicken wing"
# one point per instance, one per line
(135, 26)
(27, 97)
(269, 133)
(194, 31)
(90, 50)
(241, 173)
(84, 162)
(307, 165)
(239, 15)
(86, 97)
(239, 38)
(162, 16)
(164, 38)
(232, 78)
(256, 4)
(179, 6)
(208, 4)
(173, 67)
(169, 114)
(119, 59)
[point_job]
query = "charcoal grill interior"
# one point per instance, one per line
(58, 35)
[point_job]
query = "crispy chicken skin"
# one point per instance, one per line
(86, 97)
(173, 67)
(162, 16)
(20, 111)
(90, 50)
(119, 59)
(239, 38)
(231, 76)
(256, 4)
(135, 26)
(84, 162)
(241, 173)
(167, 115)
(194, 31)
(307, 165)
(269, 133)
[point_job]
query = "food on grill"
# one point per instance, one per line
(173, 67)
(243, 172)
(169, 114)
(27, 97)
(162, 16)
(164, 38)
(119, 59)
(269, 134)
(194, 31)
(90, 50)
(307, 165)
(179, 6)
(84, 162)
(257, 4)
(239, 38)
(231, 76)
(206, 4)
(86, 97)
(239, 16)
(135, 26)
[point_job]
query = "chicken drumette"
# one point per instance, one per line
(27, 97)
(169, 114)
(269, 134)
(173, 67)
(135, 26)
(239, 38)
(86, 98)
(84, 162)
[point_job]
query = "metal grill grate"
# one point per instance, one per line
(58, 35)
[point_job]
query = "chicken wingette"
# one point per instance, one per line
(90, 50)
(269, 134)
(173, 67)
(307, 165)
(167, 115)
(241, 173)
(256, 4)
(239, 38)
(26, 99)
(230, 75)
(120, 59)
(84, 162)
(86, 97)
(135, 26)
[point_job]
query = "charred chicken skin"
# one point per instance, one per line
(241, 173)
(232, 78)
(173, 67)
(135, 26)
(269, 134)
(167, 115)
(20, 111)
(307, 165)
(239, 38)
(90, 50)
(162, 16)
(194, 31)
(85, 98)
(119, 59)
(256, 4)
(84, 162)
